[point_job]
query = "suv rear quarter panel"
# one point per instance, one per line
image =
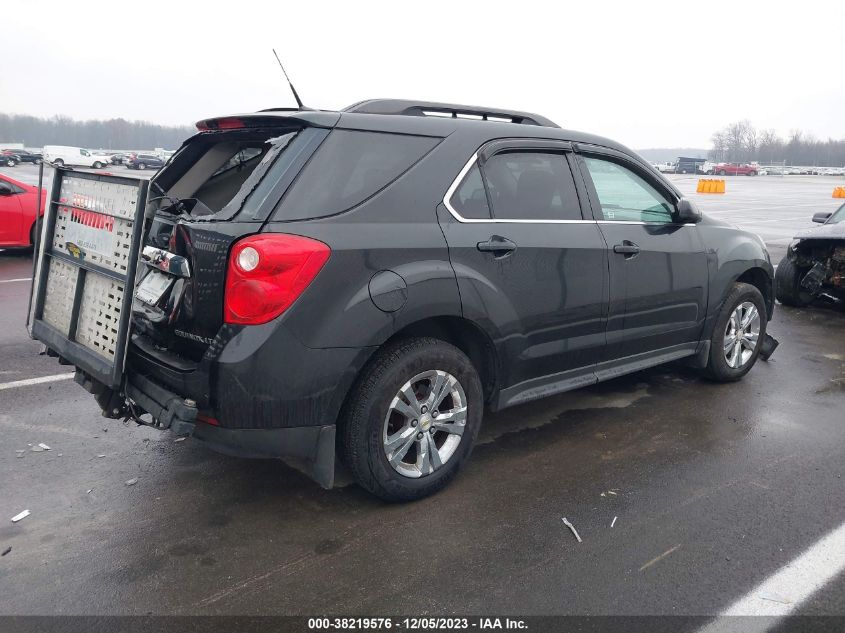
(396, 230)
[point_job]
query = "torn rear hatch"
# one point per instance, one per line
(221, 186)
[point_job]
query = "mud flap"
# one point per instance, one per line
(310, 449)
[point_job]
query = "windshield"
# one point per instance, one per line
(838, 216)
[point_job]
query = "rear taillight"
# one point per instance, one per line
(267, 273)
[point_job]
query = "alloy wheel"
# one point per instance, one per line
(424, 423)
(742, 333)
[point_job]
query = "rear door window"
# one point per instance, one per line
(349, 168)
(531, 186)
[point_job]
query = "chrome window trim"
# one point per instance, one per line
(469, 165)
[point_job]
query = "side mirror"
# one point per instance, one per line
(687, 212)
(6, 189)
(822, 216)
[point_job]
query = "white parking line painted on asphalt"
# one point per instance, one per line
(8, 281)
(784, 591)
(35, 381)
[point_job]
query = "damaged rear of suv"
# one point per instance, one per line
(814, 264)
(237, 236)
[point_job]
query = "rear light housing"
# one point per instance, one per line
(267, 273)
(223, 123)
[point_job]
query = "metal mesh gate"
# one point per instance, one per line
(86, 270)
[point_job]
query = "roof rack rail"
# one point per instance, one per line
(447, 110)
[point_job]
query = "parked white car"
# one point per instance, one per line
(665, 168)
(831, 171)
(61, 155)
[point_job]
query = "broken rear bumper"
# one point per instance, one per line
(310, 447)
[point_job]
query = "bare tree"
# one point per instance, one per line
(741, 141)
(719, 144)
(751, 143)
(736, 136)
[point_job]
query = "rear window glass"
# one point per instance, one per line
(532, 186)
(220, 175)
(349, 168)
(470, 198)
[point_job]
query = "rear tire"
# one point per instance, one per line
(732, 339)
(424, 457)
(141, 166)
(788, 284)
(59, 162)
(723, 173)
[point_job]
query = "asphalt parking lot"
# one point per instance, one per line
(687, 494)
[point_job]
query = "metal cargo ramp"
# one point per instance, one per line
(85, 271)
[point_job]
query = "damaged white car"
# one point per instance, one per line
(814, 264)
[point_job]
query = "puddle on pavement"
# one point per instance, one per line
(542, 412)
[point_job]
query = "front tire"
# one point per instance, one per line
(723, 173)
(141, 166)
(411, 420)
(738, 334)
(59, 162)
(98, 165)
(788, 284)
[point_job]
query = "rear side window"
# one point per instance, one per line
(470, 199)
(349, 168)
(531, 186)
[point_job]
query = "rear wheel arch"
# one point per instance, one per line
(467, 336)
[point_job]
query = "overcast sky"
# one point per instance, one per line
(648, 74)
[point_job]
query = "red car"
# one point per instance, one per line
(17, 212)
(735, 169)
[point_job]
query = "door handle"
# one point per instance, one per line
(627, 248)
(498, 245)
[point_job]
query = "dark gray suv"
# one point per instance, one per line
(363, 284)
